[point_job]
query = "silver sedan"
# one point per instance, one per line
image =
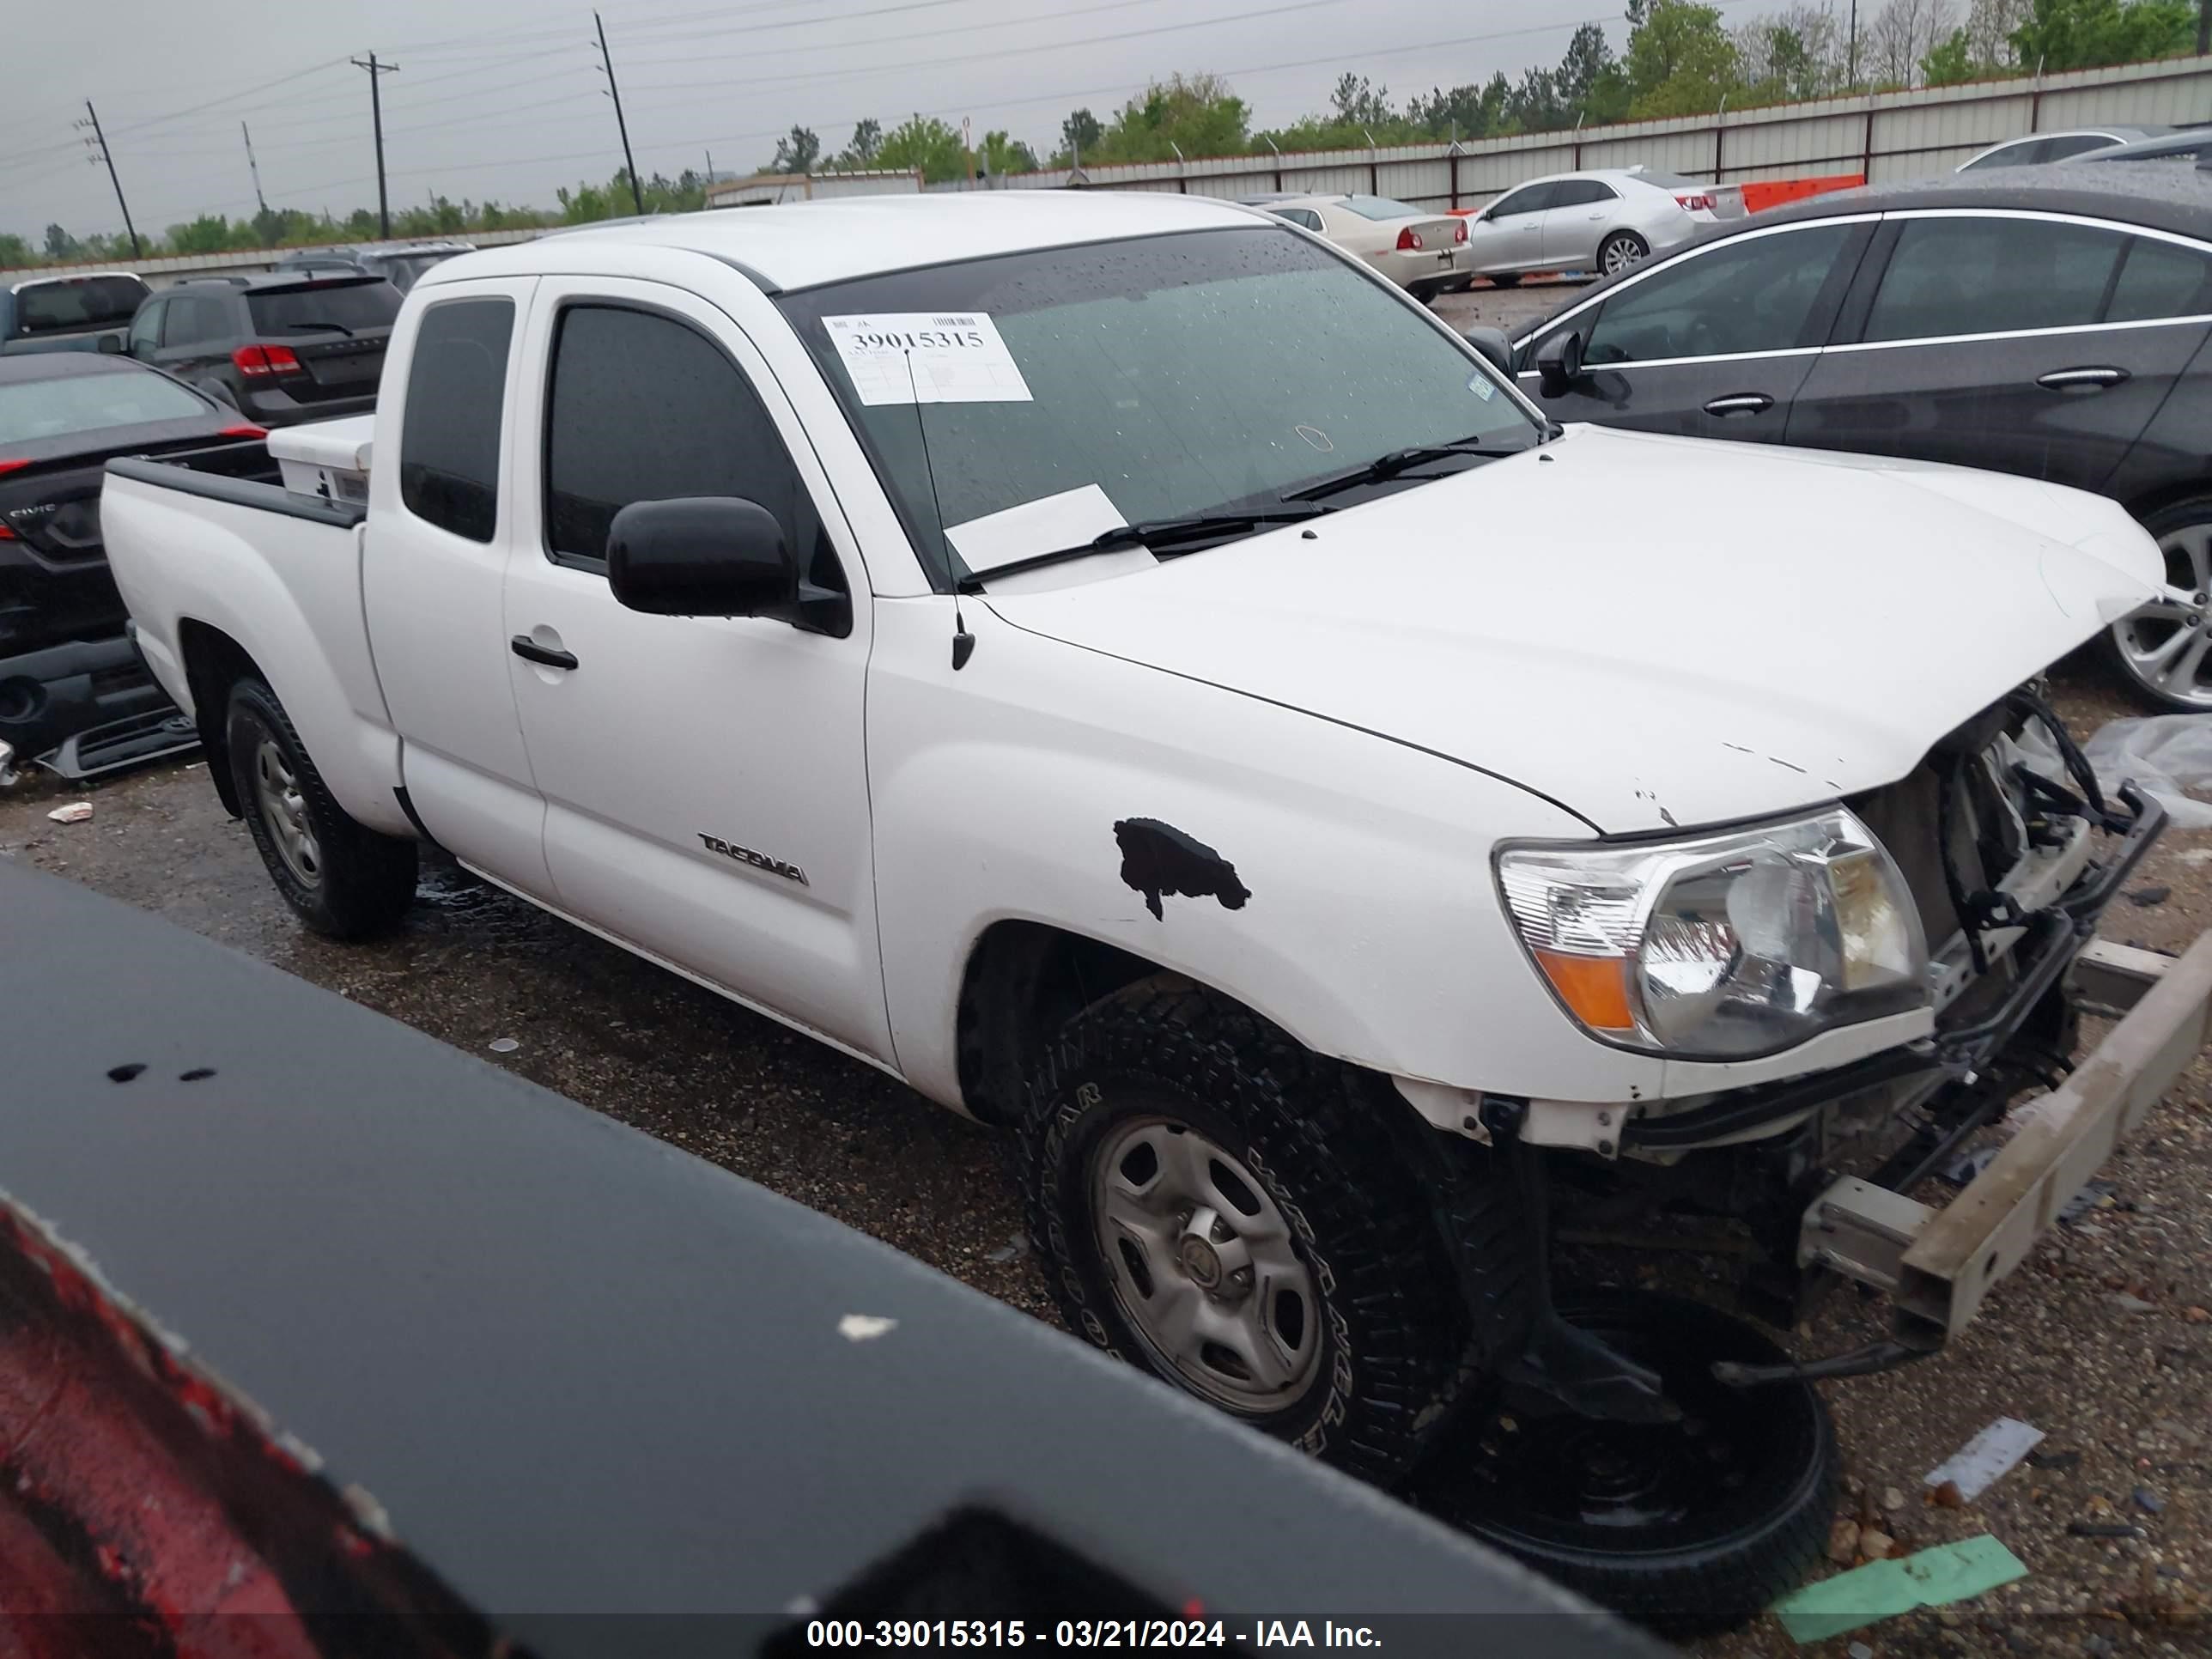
(1602, 222)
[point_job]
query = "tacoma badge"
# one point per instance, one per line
(758, 860)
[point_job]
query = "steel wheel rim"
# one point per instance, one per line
(1202, 1266)
(2165, 647)
(284, 813)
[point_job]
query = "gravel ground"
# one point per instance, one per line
(2102, 1341)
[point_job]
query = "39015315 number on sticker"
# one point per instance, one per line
(904, 357)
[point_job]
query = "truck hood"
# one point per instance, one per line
(1650, 631)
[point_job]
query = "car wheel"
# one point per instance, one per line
(341, 877)
(2164, 651)
(1219, 1206)
(1621, 250)
(1505, 279)
(1686, 1527)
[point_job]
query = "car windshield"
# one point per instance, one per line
(1381, 207)
(77, 303)
(350, 305)
(33, 411)
(1175, 376)
(404, 268)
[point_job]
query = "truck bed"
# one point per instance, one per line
(208, 562)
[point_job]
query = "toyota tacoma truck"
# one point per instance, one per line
(1117, 665)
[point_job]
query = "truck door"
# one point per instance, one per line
(442, 517)
(704, 778)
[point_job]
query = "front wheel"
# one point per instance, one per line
(2164, 651)
(1219, 1206)
(1621, 250)
(341, 877)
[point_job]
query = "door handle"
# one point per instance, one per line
(2081, 379)
(530, 651)
(1743, 403)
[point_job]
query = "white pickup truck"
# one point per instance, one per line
(1119, 666)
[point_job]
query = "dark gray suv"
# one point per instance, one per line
(284, 348)
(2050, 321)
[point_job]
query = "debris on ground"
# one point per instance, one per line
(1013, 1249)
(2055, 1461)
(1948, 1495)
(7, 764)
(1875, 1545)
(76, 812)
(504, 1045)
(2097, 1196)
(2144, 897)
(1892, 1499)
(1964, 1167)
(1984, 1459)
(1844, 1542)
(2134, 1304)
(2104, 1529)
(2148, 1501)
(1883, 1590)
(864, 1327)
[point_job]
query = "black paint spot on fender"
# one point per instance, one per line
(1157, 858)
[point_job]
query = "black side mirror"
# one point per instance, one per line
(714, 555)
(110, 345)
(1559, 363)
(1493, 345)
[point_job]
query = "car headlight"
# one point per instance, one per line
(1722, 946)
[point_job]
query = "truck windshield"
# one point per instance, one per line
(1179, 376)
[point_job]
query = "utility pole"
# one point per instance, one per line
(607, 65)
(710, 158)
(100, 142)
(253, 167)
(1852, 60)
(376, 116)
(2203, 26)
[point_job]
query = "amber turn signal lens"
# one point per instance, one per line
(1595, 988)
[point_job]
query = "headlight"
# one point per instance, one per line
(1724, 945)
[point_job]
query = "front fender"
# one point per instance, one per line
(1337, 882)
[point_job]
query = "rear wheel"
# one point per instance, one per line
(1686, 1527)
(342, 878)
(1621, 250)
(2164, 651)
(1220, 1208)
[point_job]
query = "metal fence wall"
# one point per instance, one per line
(1890, 135)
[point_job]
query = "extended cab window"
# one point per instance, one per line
(456, 404)
(1987, 276)
(643, 408)
(1753, 295)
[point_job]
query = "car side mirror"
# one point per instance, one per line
(1493, 345)
(715, 556)
(1559, 363)
(110, 345)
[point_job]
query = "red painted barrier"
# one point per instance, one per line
(1760, 194)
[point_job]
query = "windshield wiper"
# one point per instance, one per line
(1153, 533)
(1383, 468)
(337, 327)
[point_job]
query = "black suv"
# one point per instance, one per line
(287, 347)
(400, 266)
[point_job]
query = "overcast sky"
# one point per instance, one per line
(501, 100)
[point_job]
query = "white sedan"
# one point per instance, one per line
(1603, 222)
(1424, 252)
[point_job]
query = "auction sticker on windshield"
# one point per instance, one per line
(910, 356)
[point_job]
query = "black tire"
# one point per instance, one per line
(1628, 242)
(1734, 1504)
(2164, 522)
(1392, 1336)
(1505, 279)
(359, 883)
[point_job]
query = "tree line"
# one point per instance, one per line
(1678, 58)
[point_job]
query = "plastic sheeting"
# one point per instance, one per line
(2165, 756)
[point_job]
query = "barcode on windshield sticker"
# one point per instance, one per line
(906, 356)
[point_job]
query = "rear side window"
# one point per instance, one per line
(1756, 294)
(349, 306)
(193, 318)
(2026, 153)
(2159, 280)
(2080, 143)
(645, 409)
(77, 303)
(456, 401)
(1975, 275)
(1581, 192)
